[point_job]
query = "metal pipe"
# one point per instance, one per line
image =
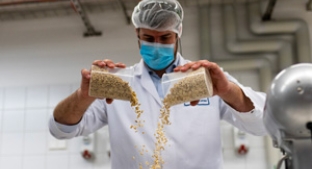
(296, 27)
(90, 29)
(244, 62)
(282, 47)
(269, 10)
(308, 5)
(124, 10)
(261, 64)
(29, 2)
(280, 162)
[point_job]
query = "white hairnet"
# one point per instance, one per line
(159, 15)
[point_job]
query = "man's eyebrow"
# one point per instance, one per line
(168, 34)
(165, 35)
(146, 35)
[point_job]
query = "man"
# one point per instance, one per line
(194, 140)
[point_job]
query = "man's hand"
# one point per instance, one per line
(86, 75)
(228, 91)
(70, 110)
(219, 81)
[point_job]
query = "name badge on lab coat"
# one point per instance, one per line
(202, 102)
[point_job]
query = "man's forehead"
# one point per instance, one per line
(150, 32)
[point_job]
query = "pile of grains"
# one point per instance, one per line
(192, 87)
(106, 85)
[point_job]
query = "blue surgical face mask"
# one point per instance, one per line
(157, 56)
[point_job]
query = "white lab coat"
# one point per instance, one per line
(194, 140)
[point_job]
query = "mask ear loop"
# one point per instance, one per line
(139, 39)
(180, 46)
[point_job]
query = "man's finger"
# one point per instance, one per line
(120, 65)
(109, 63)
(99, 63)
(196, 65)
(177, 69)
(96, 61)
(186, 67)
(85, 79)
(85, 74)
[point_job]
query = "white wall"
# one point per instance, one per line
(24, 136)
(40, 63)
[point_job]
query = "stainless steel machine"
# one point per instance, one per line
(288, 115)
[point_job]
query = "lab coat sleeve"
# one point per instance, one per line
(250, 122)
(94, 118)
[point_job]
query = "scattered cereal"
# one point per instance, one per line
(161, 139)
(190, 88)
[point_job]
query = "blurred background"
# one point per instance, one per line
(45, 43)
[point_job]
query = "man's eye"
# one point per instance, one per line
(149, 39)
(164, 38)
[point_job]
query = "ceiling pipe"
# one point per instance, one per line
(208, 30)
(296, 27)
(29, 2)
(124, 10)
(266, 73)
(237, 63)
(244, 33)
(282, 47)
(258, 62)
(308, 5)
(90, 29)
(269, 10)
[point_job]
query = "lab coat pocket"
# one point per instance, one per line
(194, 130)
(194, 120)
